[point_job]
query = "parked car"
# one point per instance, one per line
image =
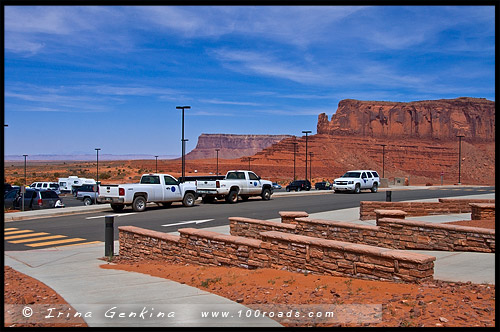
(87, 194)
(299, 185)
(33, 199)
(323, 185)
(276, 186)
(355, 181)
(7, 187)
(46, 186)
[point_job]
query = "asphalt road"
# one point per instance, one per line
(91, 226)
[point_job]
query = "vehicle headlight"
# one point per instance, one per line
(350, 182)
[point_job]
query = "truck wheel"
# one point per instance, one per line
(357, 189)
(87, 201)
(266, 194)
(232, 197)
(117, 207)
(188, 200)
(287, 189)
(139, 204)
(374, 188)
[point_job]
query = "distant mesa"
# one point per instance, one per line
(232, 146)
(440, 119)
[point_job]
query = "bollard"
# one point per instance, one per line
(388, 196)
(109, 236)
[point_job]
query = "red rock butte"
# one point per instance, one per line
(442, 119)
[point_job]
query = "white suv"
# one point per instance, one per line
(54, 186)
(355, 181)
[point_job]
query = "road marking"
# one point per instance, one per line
(54, 242)
(38, 239)
(18, 232)
(24, 235)
(189, 222)
(112, 215)
(10, 229)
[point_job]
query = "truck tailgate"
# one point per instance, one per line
(108, 190)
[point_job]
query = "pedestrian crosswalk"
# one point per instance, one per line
(33, 239)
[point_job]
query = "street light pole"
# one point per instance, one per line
(183, 141)
(459, 154)
(306, 132)
(310, 166)
(156, 164)
(294, 150)
(97, 174)
(217, 171)
(383, 160)
(24, 189)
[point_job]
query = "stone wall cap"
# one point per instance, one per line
(221, 237)
(483, 205)
(344, 224)
(391, 212)
(263, 222)
(294, 214)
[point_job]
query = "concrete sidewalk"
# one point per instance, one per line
(74, 273)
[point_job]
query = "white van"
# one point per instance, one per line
(46, 186)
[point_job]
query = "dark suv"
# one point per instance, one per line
(299, 185)
(33, 199)
(323, 185)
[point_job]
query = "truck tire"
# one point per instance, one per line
(139, 204)
(188, 200)
(266, 194)
(117, 207)
(357, 189)
(374, 188)
(88, 201)
(232, 197)
(287, 189)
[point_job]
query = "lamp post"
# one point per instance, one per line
(459, 154)
(183, 141)
(97, 174)
(294, 151)
(383, 160)
(24, 189)
(306, 132)
(217, 171)
(310, 166)
(156, 164)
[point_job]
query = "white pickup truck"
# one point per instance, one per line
(236, 184)
(158, 188)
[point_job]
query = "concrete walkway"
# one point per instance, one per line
(74, 273)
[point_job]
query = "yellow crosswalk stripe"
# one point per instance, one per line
(39, 239)
(79, 244)
(41, 244)
(23, 235)
(10, 229)
(18, 232)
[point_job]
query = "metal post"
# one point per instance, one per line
(97, 174)
(310, 166)
(109, 236)
(383, 160)
(459, 155)
(217, 172)
(156, 164)
(388, 196)
(25, 155)
(294, 150)
(306, 132)
(183, 141)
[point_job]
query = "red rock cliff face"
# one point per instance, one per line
(431, 119)
(232, 146)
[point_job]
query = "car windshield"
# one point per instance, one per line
(352, 175)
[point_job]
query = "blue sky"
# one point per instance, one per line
(111, 77)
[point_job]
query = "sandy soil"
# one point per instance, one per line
(23, 291)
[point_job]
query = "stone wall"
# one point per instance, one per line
(482, 211)
(413, 209)
(277, 250)
(389, 233)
